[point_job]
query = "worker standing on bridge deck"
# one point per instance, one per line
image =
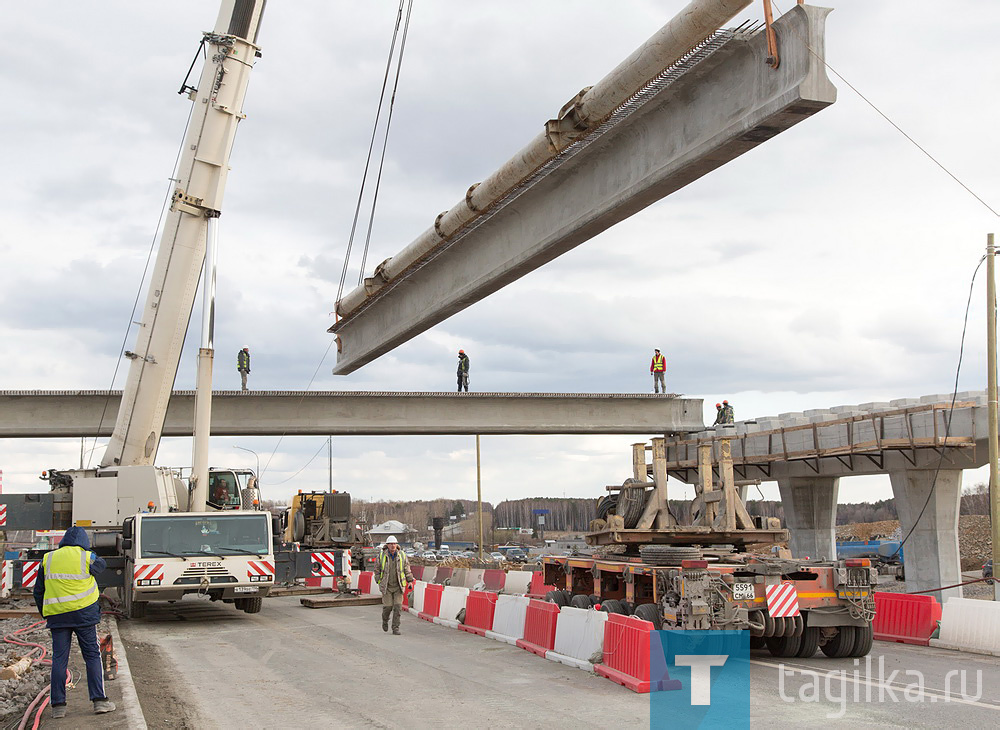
(658, 367)
(67, 596)
(719, 414)
(243, 365)
(727, 413)
(463, 371)
(393, 575)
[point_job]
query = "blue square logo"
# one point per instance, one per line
(705, 676)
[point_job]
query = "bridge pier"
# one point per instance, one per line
(810, 505)
(931, 552)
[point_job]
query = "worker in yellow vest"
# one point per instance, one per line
(658, 367)
(67, 596)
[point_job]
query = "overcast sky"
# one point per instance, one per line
(828, 266)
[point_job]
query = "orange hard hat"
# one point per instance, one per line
(725, 403)
(461, 352)
(718, 405)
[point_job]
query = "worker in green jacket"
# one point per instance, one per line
(393, 575)
(243, 365)
(463, 371)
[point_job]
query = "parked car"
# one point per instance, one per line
(517, 556)
(444, 553)
(497, 557)
(428, 555)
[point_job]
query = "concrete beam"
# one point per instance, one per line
(54, 414)
(722, 107)
(931, 553)
(811, 515)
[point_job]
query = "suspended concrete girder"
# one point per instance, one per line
(51, 414)
(700, 116)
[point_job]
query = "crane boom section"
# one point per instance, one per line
(230, 53)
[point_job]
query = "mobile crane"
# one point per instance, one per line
(164, 538)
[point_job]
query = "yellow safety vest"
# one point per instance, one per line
(384, 558)
(69, 586)
(659, 364)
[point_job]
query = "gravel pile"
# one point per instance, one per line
(974, 540)
(16, 694)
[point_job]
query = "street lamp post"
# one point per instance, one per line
(256, 473)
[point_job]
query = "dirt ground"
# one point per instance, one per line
(975, 543)
(162, 702)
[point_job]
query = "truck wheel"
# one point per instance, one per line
(757, 642)
(784, 646)
(594, 599)
(650, 612)
(138, 609)
(842, 644)
(810, 642)
(239, 603)
(863, 640)
(253, 605)
(613, 605)
(556, 597)
(580, 601)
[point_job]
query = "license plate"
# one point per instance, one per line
(245, 589)
(743, 591)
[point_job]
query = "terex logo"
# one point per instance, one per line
(705, 682)
(207, 564)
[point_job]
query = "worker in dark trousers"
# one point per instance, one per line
(68, 597)
(658, 367)
(393, 575)
(719, 414)
(243, 365)
(727, 413)
(463, 371)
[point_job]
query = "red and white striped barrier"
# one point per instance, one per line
(508, 619)
(3, 515)
(6, 578)
(452, 601)
(29, 573)
(579, 638)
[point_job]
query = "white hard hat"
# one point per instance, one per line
(391, 540)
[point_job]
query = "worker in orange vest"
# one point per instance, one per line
(658, 367)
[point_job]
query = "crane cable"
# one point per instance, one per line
(371, 144)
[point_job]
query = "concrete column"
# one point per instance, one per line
(810, 505)
(931, 552)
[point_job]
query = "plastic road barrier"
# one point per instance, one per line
(508, 619)
(418, 571)
(970, 625)
(460, 578)
(406, 595)
(417, 600)
(470, 578)
(442, 574)
(628, 645)
(429, 572)
(432, 602)
(494, 579)
(6, 578)
(365, 581)
(479, 609)
(517, 582)
(905, 619)
(452, 601)
(539, 627)
(579, 637)
(538, 589)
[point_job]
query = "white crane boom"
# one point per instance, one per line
(231, 52)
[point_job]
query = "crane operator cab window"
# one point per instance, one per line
(223, 492)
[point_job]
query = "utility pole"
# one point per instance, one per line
(329, 454)
(479, 494)
(991, 387)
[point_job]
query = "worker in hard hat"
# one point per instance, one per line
(393, 575)
(67, 596)
(463, 371)
(719, 415)
(727, 413)
(658, 367)
(243, 365)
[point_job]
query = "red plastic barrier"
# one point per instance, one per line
(442, 574)
(539, 627)
(418, 571)
(479, 608)
(406, 595)
(494, 579)
(432, 602)
(627, 651)
(905, 619)
(538, 589)
(365, 580)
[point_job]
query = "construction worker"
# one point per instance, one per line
(727, 413)
(243, 365)
(719, 414)
(393, 575)
(658, 367)
(463, 371)
(66, 594)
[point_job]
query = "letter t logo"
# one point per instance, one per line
(701, 674)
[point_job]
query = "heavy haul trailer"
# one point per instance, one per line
(700, 576)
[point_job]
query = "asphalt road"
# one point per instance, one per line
(203, 665)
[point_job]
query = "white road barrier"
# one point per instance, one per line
(517, 582)
(579, 637)
(459, 577)
(472, 577)
(452, 601)
(508, 619)
(970, 625)
(417, 597)
(429, 572)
